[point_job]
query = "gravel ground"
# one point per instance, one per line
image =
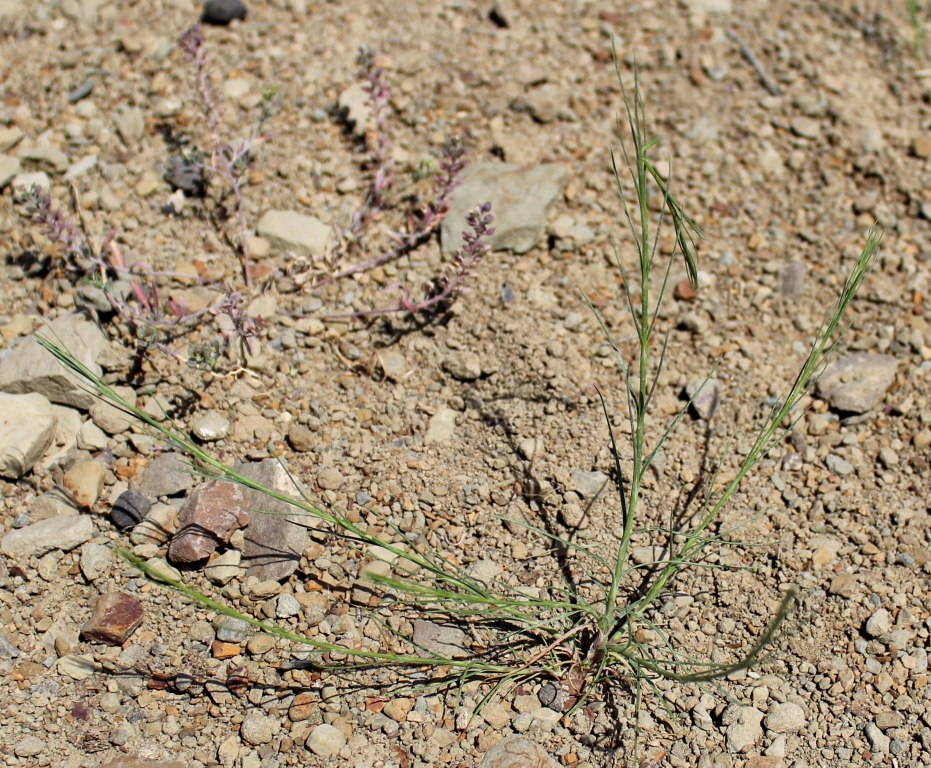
(489, 412)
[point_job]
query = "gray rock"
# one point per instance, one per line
(130, 124)
(27, 428)
(857, 382)
(838, 465)
(707, 399)
(95, 560)
(286, 606)
(787, 717)
(465, 366)
(258, 728)
(792, 280)
(588, 484)
(441, 427)
(211, 427)
(29, 746)
(355, 108)
(52, 504)
(7, 649)
(231, 630)
(111, 419)
(743, 727)
(160, 567)
(292, 231)
(129, 509)
(9, 168)
(64, 533)
(224, 568)
(24, 183)
(330, 479)
(394, 365)
(879, 623)
(520, 198)
(448, 642)
(277, 534)
(222, 12)
(547, 102)
(166, 475)
(325, 740)
(29, 368)
(879, 742)
(517, 752)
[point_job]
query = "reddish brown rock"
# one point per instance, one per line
(222, 650)
(210, 514)
(116, 616)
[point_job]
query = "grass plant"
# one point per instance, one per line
(580, 641)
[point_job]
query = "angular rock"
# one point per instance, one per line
(49, 159)
(520, 199)
(211, 427)
(78, 667)
(116, 616)
(210, 514)
(441, 427)
(449, 642)
(9, 168)
(129, 509)
(325, 740)
(588, 484)
(224, 568)
(52, 504)
(292, 231)
(95, 560)
(465, 366)
(879, 623)
(743, 727)
(258, 728)
(130, 124)
(131, 761)
(355, 108)
(792, 280)
(517, 752)
(84, 481)
(64, 533)
(27, 428)
(29, 746)
(547, 102)
(166, 475)
(787, 717)
(222, 12)
(111, 419)
(25, 183)
(29, 368)
(301, 438)
(276, 536)
(857, 382)
(157, 527)
(160, 567)
(707, 399)
(7, 649)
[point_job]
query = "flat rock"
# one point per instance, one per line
(166, 475)
(10, 136)
(448, 642)
(211, 427)
(49, 159)
(517, 752)
(277, 533)
(131, 761)
(95, 560)
(224, 568)
(116, 616)
(27, 428)
(9, 168)
(879, 623)
(520, 198)
(588, 484)
(465, 366)
(743, 727)
(130, 124)
(84, 481)
(707, 399)
(52, 504)
(64, 533)
(29, 746)
(787, 717)
(210, 514)
(158, 526)
(325, 740)
(25, 183)
(111, 419)
(857, 382)
(29, 368)
(441, 427)
(292, 231)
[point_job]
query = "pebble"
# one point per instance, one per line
(843, 585)
(232, 630)
(160, 567)
(787, 717)
(166, 475)
(547, 102)
(95, 560)
(259, 644)
(211, 427)
(301, 438)
(517, 752)
(877, 739)
(208, 517)
(287, 606)
(130, 124)
(129, 509)
(792, 280)
(10, 136)
(116, 616)
(64, 533)
(84, 481)
(91, 437)
(157, 527)
(838, 465)
(588, 484)
(27, 429)
(292, 231)
(24, 183)
(355, 108)
(222, 12)
(465, 366)
(520, 196)
(394, 365)
(707, 396)
(29, 746)
(258, 728)
(9, 170)
(857, 382)
(743, 727)
(111, 419)
(325, 740)
(879, 623)
(449, 642)
(441, 427)
(223, 569)
(330, 479)
(398, 709)
(77, 667)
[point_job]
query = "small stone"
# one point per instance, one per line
(857, 382)
(211, 427)
(921, 147)
(547, 102)
(95, 560)
(259, 644)
(258, 728)
(792, 280)
(9, 169)
(330, 479)
(157, 527)
(531, 448)
(441, 427)
(394, 365)
(448, 642)
(116, 616)
(743, 727)
(843, 585)
(398, 709)
(886, 720)
(301, 438)
(64, 533)
(49, 159)
(325, 740)
(223, 569)
(129, 509)
(210, 514)
(897, 639)
(879, 623)
(588, 484)
(166, 475)
(160, 567)
(24, 183)
(888, 457)
(264, 307)
(292, 231)
(877, 739)
(232, 630)
(28, 746)
(355, 108)
(287, 606)
(91, 437)
(465, 366)
(111, 419)
(806, 127)
(84, 481)
(130, 124)
(10, 136)
(54, 504)
(517, 752)
(303, 707)
(707, 394)
(838, 465)
(787, 717)
(27, 429)
(222, 12)
(77, 667)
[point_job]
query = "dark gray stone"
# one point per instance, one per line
(129, 509)
(222, 12)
